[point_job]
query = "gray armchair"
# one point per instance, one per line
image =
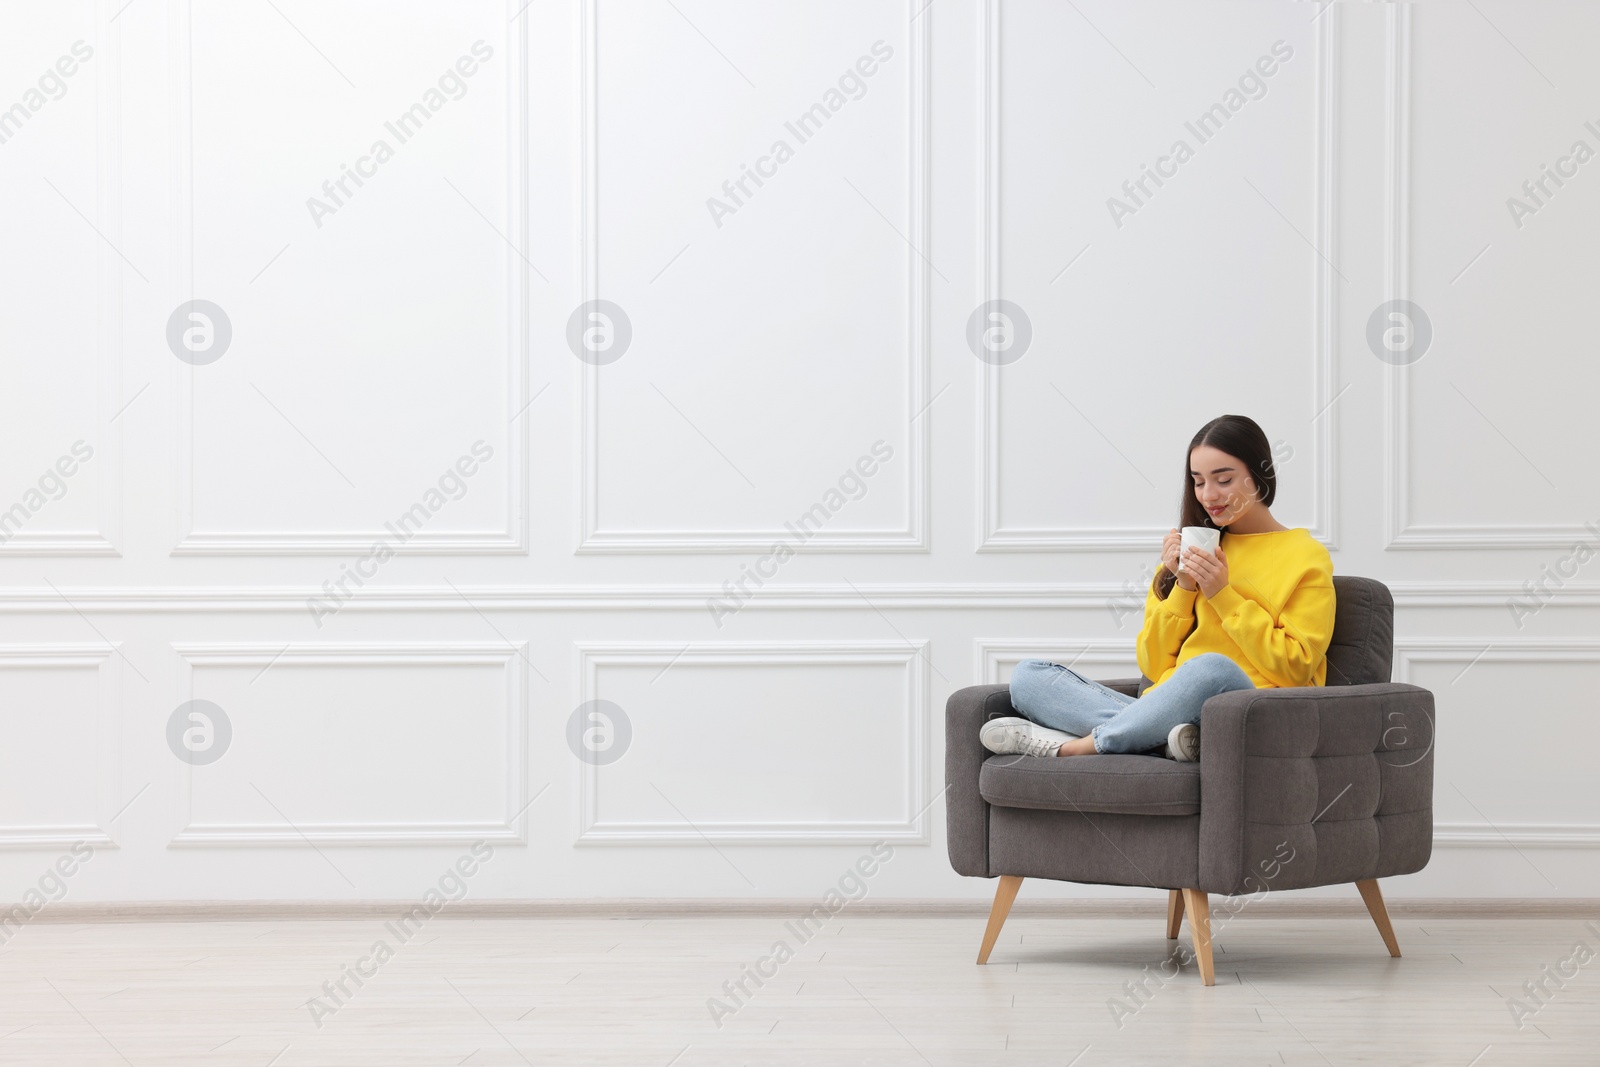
(1294, 788)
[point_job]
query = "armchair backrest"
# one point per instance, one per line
(1362, 649)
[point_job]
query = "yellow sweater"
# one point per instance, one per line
(1274, 618)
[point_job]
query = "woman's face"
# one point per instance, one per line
(1222, 484)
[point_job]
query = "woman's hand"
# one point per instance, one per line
(1169, 559)
(1210, 571)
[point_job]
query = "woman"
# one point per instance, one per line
(1256, 614)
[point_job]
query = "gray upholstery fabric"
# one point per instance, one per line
(966, 813)
(1095, 847)
(1340, 777)
(1132, 785)
(1362, 649)
(1297, 787)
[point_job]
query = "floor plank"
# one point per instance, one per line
(878, 989)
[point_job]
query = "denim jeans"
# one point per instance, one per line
(1062, 699)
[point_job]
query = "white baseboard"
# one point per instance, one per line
(1277, 906)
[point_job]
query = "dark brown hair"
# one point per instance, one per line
(1241, 438)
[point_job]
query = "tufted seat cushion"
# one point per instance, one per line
(1124, 784)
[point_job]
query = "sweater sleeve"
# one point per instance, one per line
(1288, 649)
(1166, 624)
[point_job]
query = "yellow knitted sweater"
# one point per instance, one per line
(1274, 618)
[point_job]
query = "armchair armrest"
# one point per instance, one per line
(1317, 785)
(966, 812)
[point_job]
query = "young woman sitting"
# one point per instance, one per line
(1256, 614)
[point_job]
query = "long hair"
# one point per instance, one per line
(1240, 437)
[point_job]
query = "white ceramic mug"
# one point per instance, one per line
(1203, 537)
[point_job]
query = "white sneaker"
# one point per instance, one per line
(1183, 743)
(1014, 735)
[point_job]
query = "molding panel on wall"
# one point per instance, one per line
(993, 536)
(94, 748)
(674, 826)
(282, 819)
(1096, 660)
(593, 537)
(108, 294)
(513, 232)
(1582, 833)
(1401, 531)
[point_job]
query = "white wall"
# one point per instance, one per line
(773, 346)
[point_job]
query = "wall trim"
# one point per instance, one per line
(992, 652)
(911, 657)
(1280, 905)
(1088, 596)
(514, 539)
(1398, 187)
(513, 829)
(108, 737)
(992, 536)
(1504, 650)
(914, 537)
(1516, 835)
(107, 358)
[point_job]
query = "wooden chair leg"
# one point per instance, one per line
(1174, 913)
(1003, 896)
(1380, 914)
(1199, 910)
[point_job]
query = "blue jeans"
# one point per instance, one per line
(1062, 699)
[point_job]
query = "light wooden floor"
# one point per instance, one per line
(868, 989)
